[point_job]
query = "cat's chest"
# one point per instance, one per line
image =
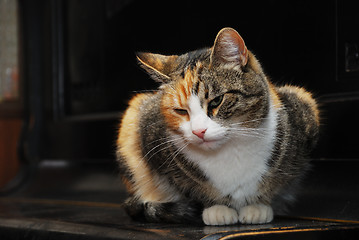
(236, 169)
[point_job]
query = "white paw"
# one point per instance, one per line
(219, 215)
(256, 213)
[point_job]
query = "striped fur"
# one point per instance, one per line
(217, 142)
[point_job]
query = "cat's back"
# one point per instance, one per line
(302, 111)
(296, 134)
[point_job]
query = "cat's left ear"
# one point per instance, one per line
(157, 66)
(229, 48)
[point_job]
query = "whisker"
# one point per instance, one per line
(145, 157)
(249, 121)
(260, 133)
(157, 146)
(175, 154)
(157, 140)
(150, 125)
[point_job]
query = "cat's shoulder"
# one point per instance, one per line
(130, 118)
(298, 93)
(300, 102)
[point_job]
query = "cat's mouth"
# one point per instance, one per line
(209, 144)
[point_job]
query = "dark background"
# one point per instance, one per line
(80, 68)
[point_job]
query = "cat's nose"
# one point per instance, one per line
(199, 132)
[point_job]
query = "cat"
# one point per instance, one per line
(217, 143)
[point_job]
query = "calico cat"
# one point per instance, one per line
(217, 142)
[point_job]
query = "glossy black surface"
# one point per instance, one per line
(83, 201)
(46, 219)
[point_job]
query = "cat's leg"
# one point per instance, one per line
(182, 211)
(219, 215)
(256, 213)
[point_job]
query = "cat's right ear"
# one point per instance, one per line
(157, 66)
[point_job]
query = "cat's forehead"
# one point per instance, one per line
(192, 82)
(208, 81)
(193, 68)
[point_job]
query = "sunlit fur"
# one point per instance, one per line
(217, 142)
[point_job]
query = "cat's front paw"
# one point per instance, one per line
(256, 213)
(219, 215)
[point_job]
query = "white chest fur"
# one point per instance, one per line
(237, 167)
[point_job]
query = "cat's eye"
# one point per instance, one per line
(215, 102)
(181, 111)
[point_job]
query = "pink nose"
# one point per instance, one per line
(199, 132)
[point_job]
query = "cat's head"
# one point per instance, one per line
(213, 95)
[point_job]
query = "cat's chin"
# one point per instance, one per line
(208, 145)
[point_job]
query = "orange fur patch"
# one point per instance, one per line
(253, 62)
(177, 97)
(274, 96)
(145, 185)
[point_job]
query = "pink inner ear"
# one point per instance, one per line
(229, 47)
(242, 49)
